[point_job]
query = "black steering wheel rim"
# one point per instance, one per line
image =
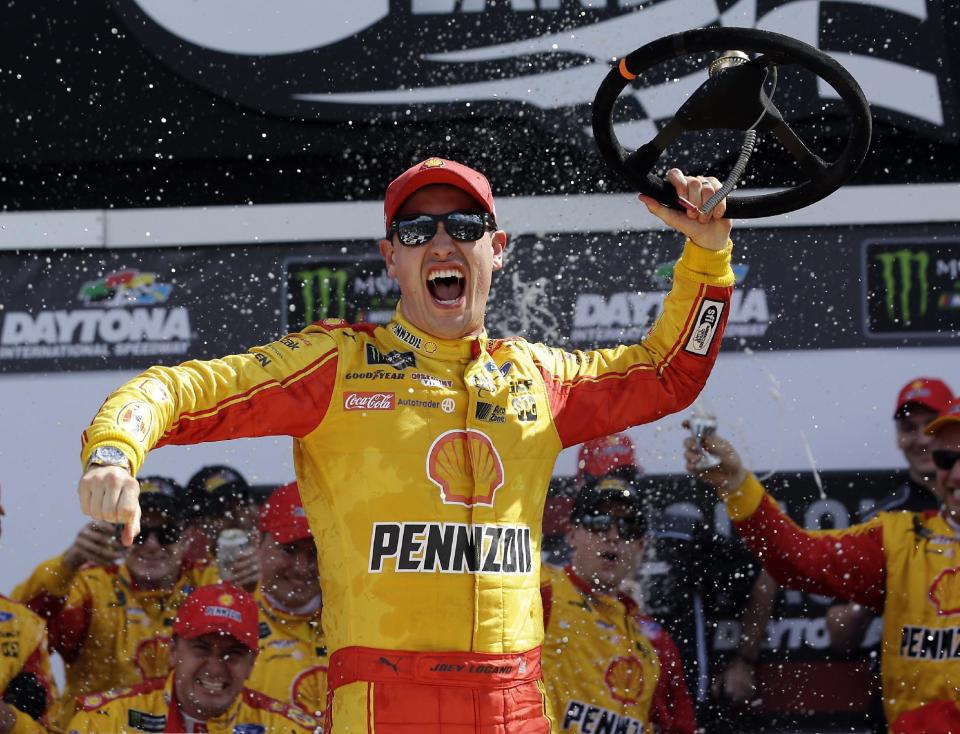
(779, 48)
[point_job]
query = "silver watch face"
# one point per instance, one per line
(109, 455)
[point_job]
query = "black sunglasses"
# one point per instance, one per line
(462, 226)
(166, 534)
(629, 528)
(944, 459)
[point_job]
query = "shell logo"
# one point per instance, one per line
(466, 467)
(945, 592)
(225, 599)
(309, 690)
(433, 163)
(624, 678)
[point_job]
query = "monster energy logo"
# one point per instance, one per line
(324, 293)
(902, 263)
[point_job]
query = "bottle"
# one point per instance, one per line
(230, 543)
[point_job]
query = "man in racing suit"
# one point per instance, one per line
(607, 666)
(900, 564)
(212, 653)
(26, 685)
(111, 622)
(292, 664)
(423, 451)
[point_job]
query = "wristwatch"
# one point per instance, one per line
(108, 456)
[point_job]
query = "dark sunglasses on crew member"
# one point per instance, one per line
(166, 534)
(461, 226)
(944, 459)
(629, 528)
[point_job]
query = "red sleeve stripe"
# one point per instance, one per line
(592, 378)
(290, 379)
(275, 410)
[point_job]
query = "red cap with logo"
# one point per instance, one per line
(928, 392)
(950, 414)
(222, 609)
(601, 456)
(436, 171)
(283, 515)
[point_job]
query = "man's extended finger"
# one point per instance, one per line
(132, 528)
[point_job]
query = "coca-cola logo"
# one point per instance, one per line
(369, 401)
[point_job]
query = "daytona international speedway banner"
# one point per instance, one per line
(815, 288)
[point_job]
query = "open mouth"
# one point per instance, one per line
(446, 285)
(210, 685)
(609, 556)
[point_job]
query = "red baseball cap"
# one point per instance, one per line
(950, 414)
(283, 515)
(601, 456)
(436, 171)
(219, 608)
(926, 391)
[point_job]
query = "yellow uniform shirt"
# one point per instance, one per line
(606, 666)
(150, 707)
(292, 664)
(423, 463)
(23, 649)
(905, 565)
(108, 633)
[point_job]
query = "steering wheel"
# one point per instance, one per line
(735, 98)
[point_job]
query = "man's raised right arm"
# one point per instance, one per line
(282, 388)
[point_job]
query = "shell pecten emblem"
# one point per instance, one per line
(945, 592)
(624, 678)
(466, 466)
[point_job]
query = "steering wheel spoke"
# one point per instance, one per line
(812, 165)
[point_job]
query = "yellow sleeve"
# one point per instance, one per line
(52, 578)
(599, 392)
(282, 388)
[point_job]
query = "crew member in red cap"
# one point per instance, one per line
(213, 651)
(919, 401)
(424, 449)
(292, 665)
(613, 455)
(900, 564)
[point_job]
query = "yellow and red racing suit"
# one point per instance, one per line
(151, 707)
(607, 667)
(423, 465)
(905, 565)
(292, 664)
(109, 633)
(23, 650)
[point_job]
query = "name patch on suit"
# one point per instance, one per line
(427, 547)
(705, 327)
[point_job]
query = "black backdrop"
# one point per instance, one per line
(95, 118)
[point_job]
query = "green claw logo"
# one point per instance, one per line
(898, 266)
(324, 293)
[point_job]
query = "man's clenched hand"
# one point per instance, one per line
(111, 494)
(710, 231)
